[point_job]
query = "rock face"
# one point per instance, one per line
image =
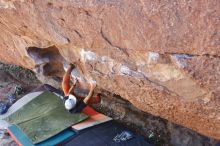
(162, 56)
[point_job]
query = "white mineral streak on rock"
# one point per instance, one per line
(109, 63)
(124, 70)
(88, 55)
(75, 72)
(161, 73)
(153, 56)
(180, 59)
(90, 80)
(91, 56)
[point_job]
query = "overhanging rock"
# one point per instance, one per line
(161, 56)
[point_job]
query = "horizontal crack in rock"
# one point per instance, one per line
(194, 55)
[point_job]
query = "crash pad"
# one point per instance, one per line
(18, 136)
(22, 140)
(20, 103)
(105, 135)
(93, 120)
(44, 117)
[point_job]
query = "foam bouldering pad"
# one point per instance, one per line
(20, 103)
(44, 117)
(18, 136)
(93, 120)
(104, 135)
(22, 140)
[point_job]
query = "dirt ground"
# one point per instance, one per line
(160, 131)
(14, 81)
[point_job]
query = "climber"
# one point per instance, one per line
(72, 103)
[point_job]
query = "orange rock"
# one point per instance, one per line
(161, 56)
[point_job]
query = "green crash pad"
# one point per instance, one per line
(44, 117)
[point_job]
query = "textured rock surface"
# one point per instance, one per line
(162, 56)
(165, 133)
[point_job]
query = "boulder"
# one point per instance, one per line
(162, 56)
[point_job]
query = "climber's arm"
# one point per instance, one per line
(66, 80)
(71, 90)
(88, 97)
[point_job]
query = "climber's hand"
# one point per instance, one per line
(70, 68)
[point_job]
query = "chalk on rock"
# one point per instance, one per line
(65, 66)
(90, 80)
(75, 72)
(87, 55)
